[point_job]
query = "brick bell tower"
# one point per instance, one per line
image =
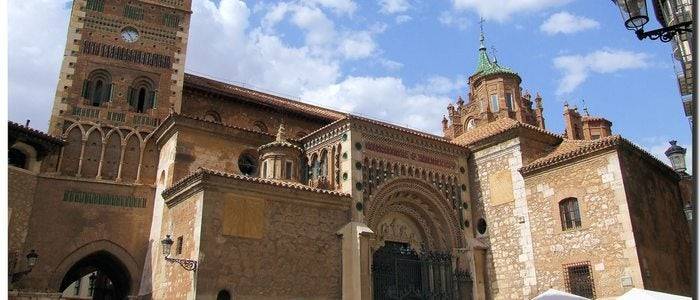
(122, 71)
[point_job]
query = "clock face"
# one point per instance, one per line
(130, 35)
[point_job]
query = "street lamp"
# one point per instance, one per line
(32, 258)
(676, 154)
(635, 15)
(187, 264)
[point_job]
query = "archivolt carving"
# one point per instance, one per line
(423, 203)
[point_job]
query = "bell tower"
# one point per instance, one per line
(123, 63)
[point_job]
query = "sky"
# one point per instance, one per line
(400, 61)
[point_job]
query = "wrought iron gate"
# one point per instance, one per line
(398, 272)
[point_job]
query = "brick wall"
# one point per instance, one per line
(20, 200)
(59, 227)
(660, 229)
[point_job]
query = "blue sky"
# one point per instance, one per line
(400, 61)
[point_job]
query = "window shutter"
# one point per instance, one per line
(111, 92)
(131, 97)
(86, 89)
(154, 99)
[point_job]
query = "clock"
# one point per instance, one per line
(130, 34)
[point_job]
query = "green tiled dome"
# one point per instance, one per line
(488, 67)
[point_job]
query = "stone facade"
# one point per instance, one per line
(481, 205)
(597, 183)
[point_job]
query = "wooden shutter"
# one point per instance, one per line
(153, 99)
(86, 89)
(132, 97)
(110, 92)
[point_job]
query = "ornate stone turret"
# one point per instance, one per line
(280, 159)
(585, 127)
(494, 93)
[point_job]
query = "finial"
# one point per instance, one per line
(481, 37)
(444, 120)
(585, 108)
(566, 104)
(493, 52)
(460, 101)
(280, 133)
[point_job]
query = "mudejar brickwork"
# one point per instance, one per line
(278, 199)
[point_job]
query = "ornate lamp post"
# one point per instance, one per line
(187, 264)
(635, 15)
(32, 258)
(676, 154)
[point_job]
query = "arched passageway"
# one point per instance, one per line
(101, 275)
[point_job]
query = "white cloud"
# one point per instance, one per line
(501, 10)
(564, 22)
(394, 6)
(36, 41)
(451, 19)
(577, 68)
(390, 65)
(250, 52)
(357, 45)
(400, 19)
(338, 6)
(385, 98)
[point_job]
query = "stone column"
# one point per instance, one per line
(355, 261)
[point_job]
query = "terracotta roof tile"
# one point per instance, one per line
(201, 172)
(262, 98)
(495, 128)
(570, 149)
(33, 132)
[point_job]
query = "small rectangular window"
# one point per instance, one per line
(179, 245)
(264, 170)
(579, 280)
(509, 101)
(288, 170)
(494, 103)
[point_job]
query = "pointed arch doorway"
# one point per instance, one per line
(106, 276)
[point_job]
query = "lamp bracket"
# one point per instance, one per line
(187, 264)
(667, 33)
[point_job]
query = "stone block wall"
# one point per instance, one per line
(660, 228)
(497, 191)
(270, 245)
(604, 238)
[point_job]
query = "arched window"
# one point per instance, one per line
(569, 213)
(247, 164)
(98, 88)
(17, 158)
(323, 164)
(212, 116)
(260, 126)
(471, 123)
(313, 170)
(223, 295)
(142, 95)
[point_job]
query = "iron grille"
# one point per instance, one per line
(398, 272)
(579, 280)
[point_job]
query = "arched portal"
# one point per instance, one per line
(416, 234)
(107, 276)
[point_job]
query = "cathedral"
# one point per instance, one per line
(152, 183)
